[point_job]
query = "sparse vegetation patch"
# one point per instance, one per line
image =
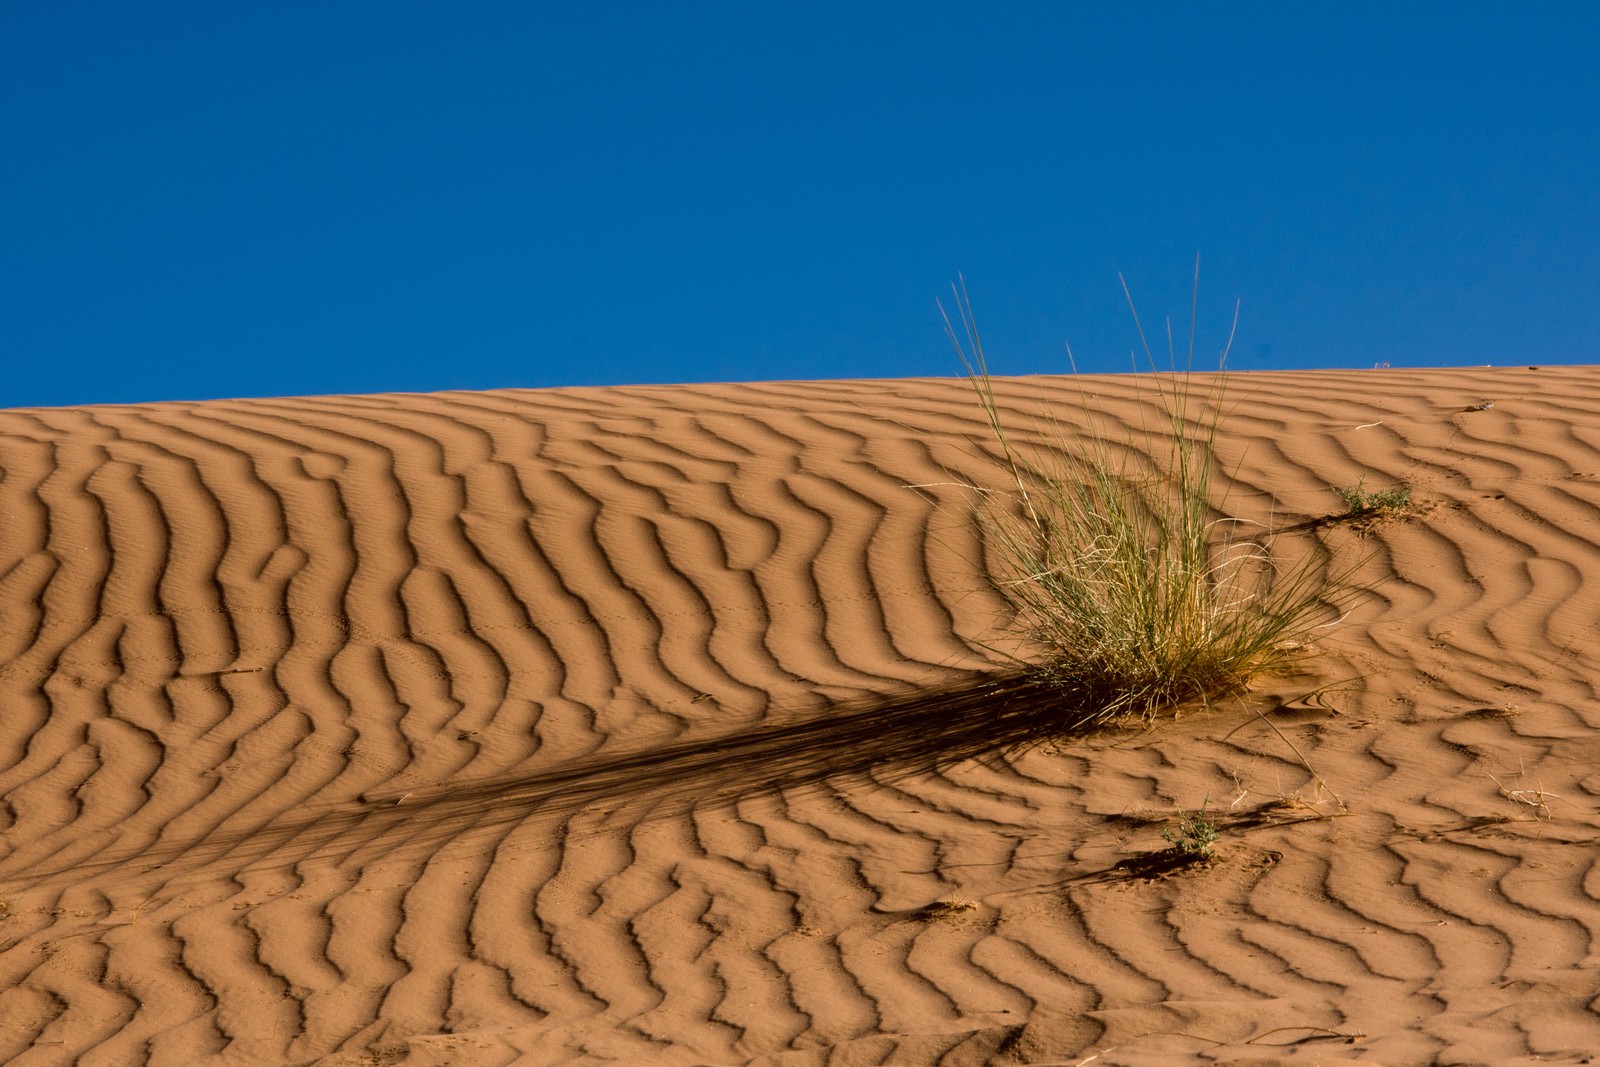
(1194, 835)
(1136, 587)
(1359, 500)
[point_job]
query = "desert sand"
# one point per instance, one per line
(674, 725)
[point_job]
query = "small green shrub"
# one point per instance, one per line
(1134, 586)
(1194, 835)
(1359, 500)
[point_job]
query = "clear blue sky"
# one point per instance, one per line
(244, 199)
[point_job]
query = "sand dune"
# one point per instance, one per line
(670, 726)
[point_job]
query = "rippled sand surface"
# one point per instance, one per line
(665, 726)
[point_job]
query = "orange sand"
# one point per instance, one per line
(647, 726)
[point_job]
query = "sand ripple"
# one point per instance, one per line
(661, 726)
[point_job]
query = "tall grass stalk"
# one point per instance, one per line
(1135, 587)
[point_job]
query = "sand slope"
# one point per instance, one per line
(651, 725)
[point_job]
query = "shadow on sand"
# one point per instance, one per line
(986, 716)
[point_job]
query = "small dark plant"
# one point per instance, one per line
(1359, 500)
(1195, 834)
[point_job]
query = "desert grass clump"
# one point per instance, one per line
(1135, 588)
(1360, 501)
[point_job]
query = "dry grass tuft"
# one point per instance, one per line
(1125, 571)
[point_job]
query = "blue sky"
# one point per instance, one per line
(228, 199)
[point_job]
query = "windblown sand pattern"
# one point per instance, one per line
(663, 726)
